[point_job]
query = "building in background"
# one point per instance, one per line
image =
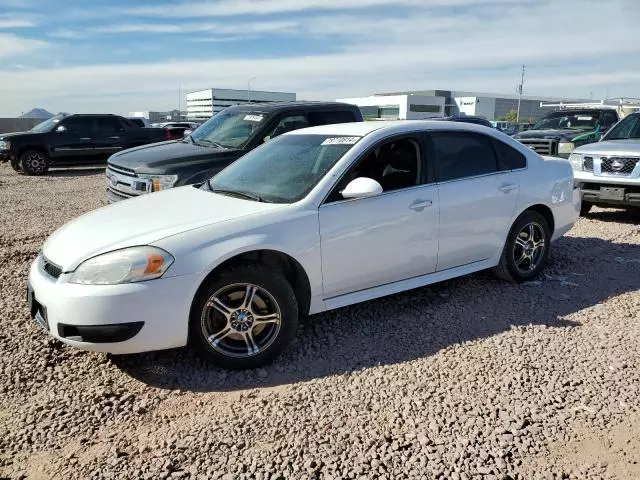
(160, 117)
(492, 106)
(204, 104)
(398, 107)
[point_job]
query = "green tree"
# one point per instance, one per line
(511, 116)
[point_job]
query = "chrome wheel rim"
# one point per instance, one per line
(36, 162)
(241, 320)
(529, 248)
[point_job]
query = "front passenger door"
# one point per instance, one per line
(74, 143)
(369, 242)
(477, 198)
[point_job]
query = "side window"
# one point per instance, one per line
(609, 119)
(77, 125)
(394, 164)
(508, 157)
(107, 124)
(288, 124)
(461, 155)
(330, 117)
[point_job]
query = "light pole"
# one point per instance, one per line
(249, 89)
(520, 93)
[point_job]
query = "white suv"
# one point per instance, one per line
(608, 172)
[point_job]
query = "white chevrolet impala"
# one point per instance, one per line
(314, 220)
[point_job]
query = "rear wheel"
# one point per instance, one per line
(244, 317)
(526, 250)
(34, 162)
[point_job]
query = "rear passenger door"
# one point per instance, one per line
(478, 197)
(110, 136)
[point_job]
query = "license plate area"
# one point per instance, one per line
(37, 310)
(612, 193)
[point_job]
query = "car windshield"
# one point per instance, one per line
(47, 125)
(626, 129)
(229, 129)
(567, 120)
(283, 170)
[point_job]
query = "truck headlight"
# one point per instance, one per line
(566, 147)
(576, 161)
(134, 264)
(160, 182)
(5, 145)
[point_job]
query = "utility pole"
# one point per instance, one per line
(179, 102)
(249, 89)
(520, 92)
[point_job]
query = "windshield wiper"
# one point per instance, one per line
(209, 142)
(239, 194)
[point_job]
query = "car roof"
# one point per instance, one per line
(270, 107)
(360, 129)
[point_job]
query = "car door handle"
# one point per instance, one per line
(85, 138)
(420, 205)
(115, 138)
(507, 187)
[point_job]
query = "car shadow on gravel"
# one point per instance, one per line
(77, 171)
(629, 216)
(417, 324)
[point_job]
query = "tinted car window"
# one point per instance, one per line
(627, 128)
(508, 157)
(327, 118)
(460, 155)
(136, 121)
(288, 124)
(107, 124)
(77, 124)
(608, 120)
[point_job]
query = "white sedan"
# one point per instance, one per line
(314, 220)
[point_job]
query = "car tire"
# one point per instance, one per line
(34, 162)
(526, 251)
(585, 208)
(244, 317)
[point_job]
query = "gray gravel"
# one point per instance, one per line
(469, 379)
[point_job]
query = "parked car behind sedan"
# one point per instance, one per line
(608, 172)
(315, 220)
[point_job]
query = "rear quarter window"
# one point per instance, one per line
(508, 157)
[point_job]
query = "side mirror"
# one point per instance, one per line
(362, 187)
(187, 132)
(61, 129)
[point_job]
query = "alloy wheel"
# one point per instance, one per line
(36, 162)
(529, 247)
(241, 320)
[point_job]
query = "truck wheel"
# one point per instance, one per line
(34, 162)
(585, 208)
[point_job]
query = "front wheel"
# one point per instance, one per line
(34, 162)
(244, 317)
(526, 250)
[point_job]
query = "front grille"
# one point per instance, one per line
(121, 170)
(50, 268)
(624, 165)
(541, 145)
(587, 164)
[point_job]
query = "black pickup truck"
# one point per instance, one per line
(69, 140)
(218, 142)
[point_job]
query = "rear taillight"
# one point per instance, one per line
(167, 134)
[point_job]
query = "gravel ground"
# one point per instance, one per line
(468, 379)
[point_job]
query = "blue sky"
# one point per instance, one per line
(121, 56)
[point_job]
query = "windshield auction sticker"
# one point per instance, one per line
(253, 118)
(341, 141)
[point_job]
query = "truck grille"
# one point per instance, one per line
(50, 268)
(123, 183)
(540, 145)
(587, 164)
(624, 165)
(121, 170)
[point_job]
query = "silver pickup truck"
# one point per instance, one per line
(608, 172)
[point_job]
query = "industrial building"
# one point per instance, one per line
(398, 107)
(492, 106)
(159, 117)
(204, 104)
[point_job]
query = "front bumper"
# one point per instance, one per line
(5, 156)
(608, 190)
(119, 319)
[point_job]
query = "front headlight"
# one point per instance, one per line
(160, 182)
(134, 264)
(576, 161)
(566, 147)
(5, 145)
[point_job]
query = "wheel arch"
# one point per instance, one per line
(290, 268)
(25, 148)
(543, 210)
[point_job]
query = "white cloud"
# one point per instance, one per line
(9, 22)
(12, 45)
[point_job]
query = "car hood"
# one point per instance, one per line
(144, 220)
(164, 154)
(629, 147)
(550, 134)
(7, 136)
